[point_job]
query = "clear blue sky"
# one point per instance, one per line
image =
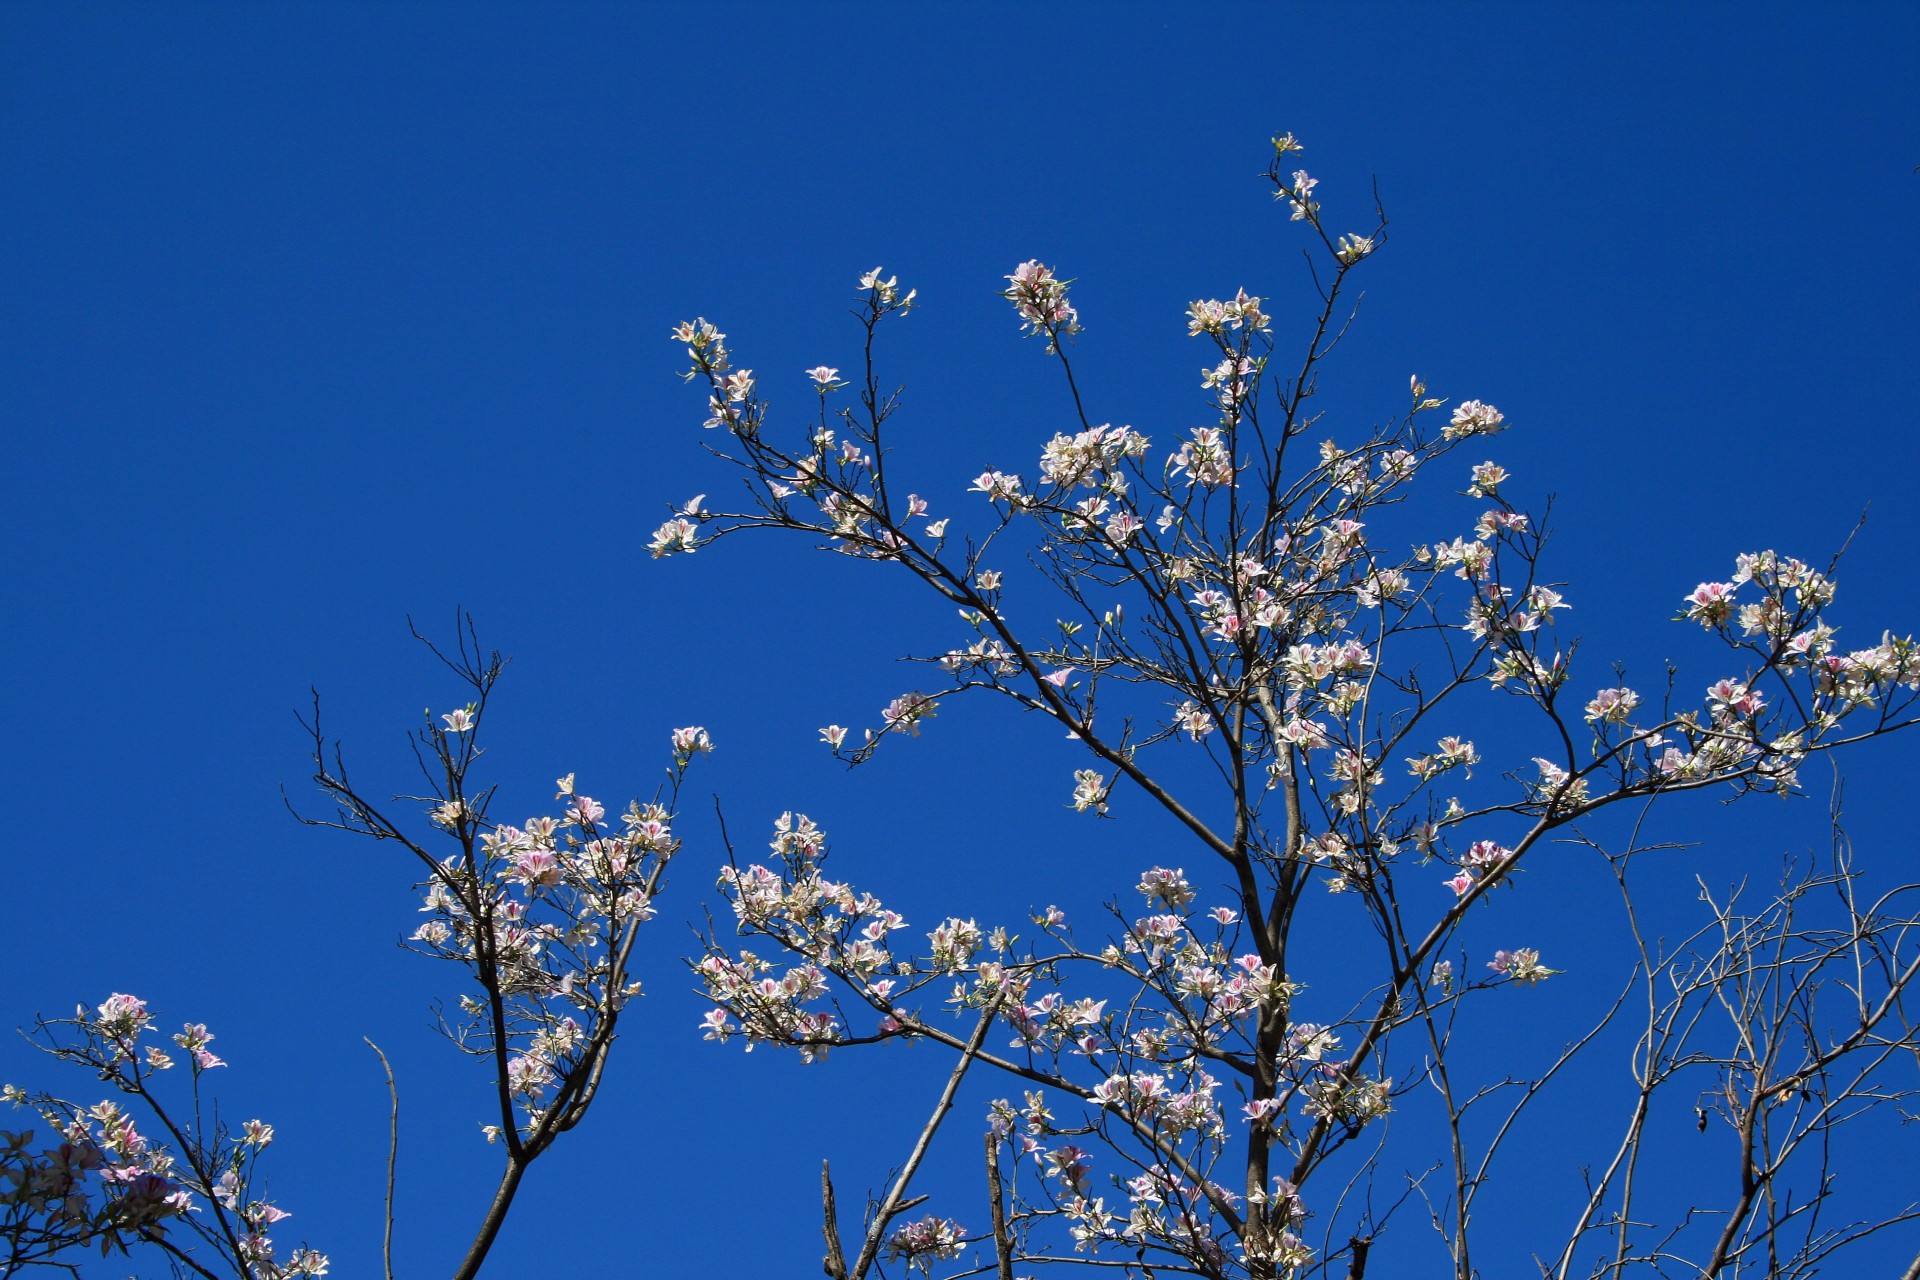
(318, 316)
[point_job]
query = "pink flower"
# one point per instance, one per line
(1461, 883)
(1710, 603)
(124, 1015)
(1194, 720)
(1122, 527)
(690, 741)
(1522, 965)
(1299, 195)
(1040, 298)
(907, 711)
(1612, 706)
(676, 535)
(1737, 697)
(1473, 418)
(537, 867)
(930, 1237)
(1261, 1108)
(998, 486)
(1487, 853)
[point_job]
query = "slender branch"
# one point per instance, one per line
(1002, 1241)
(892, 1205)
(393, 1156)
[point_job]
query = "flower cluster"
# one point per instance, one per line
(1299, 196)
(1215, 317)
(543, 912)
(927, 1240)
(105, 1183)
(907, 711)
(1522, 965)
(1040, 300)
(1471, 418)
(1204, 459)
(1452, 753)
(1090, 789)
(1091, 456)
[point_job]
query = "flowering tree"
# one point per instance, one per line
(1242, 637)
(1188, 1086)
(541, 917)
(103, 1182)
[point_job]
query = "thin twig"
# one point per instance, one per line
(393, 1154)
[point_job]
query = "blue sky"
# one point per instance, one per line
(320, 316)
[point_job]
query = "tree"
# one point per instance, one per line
(542, 918)
(1191, 1087)
(1200, 1092)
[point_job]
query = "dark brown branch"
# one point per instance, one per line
(1360, 1245)
(495, 1219)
